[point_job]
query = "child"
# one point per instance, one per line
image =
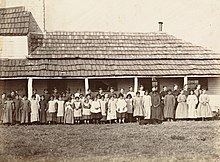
(103, 104)
(147, 105)
(68, 117)
(95, 110)
(34, 110)
(169, 104)
(77, 109)
(131, 92)
(138, 109)
(111, 113)
(129, 115)
(181, 110)
(121, 108)
(52, 110)
(86, 111)
(8, 111)
(192, 102)
(60, 109)
(88, 96)
(43, 110)
(17, 110)
(204, 110)
(25, 110)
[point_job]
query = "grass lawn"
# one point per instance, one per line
(185, 141)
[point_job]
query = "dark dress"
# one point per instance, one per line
(47, 97)
(162, 97)
(25, 111)
(156, 111)
(17, 110)
(8, 112)
(175, 94)
(43, 111)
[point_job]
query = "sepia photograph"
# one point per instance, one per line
(109, 80)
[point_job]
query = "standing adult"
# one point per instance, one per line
(163, 93)
(175, 93)
(181, 110)
(141, 90)
(204, 111)
(169, 104)
(2, 101)
(156, 111)
(17, 110)
(36, 95)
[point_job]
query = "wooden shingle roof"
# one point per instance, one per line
(15, 21)
(118, 45)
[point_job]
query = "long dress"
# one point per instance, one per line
(156, 110)
(192, 102)
(35, 110)
(121, 108)
(147, 106)
(52, 109)
(169, 104)
(181, 110)
(43, 111)
(68, 117)
(111, 113)
(2, 101)
(204, 110)
(103, 109)
(60, 108)
(138, 108)
(129, 114)
(25, 111)
(8, 112)
(17, 110)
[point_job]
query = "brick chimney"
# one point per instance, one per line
(160, 26)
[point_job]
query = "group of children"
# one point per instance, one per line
(67, 108)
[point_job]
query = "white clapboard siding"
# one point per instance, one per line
(214, 93)
(13, 46)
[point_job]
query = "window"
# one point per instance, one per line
(105, 84)
(193, 82)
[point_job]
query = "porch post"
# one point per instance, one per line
(135, 84)
(30, 87)
(185, 81)
(86, 85)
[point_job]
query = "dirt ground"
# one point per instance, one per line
(176, 141)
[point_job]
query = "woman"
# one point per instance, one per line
(156, 110)
(181, 110)
(147, 105)
(34, 110)
(192, 102)
(169, 104)
(204, 110)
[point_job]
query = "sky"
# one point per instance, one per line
(195, 21)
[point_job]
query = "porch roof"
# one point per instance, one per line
(102, 68)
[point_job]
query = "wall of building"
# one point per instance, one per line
(125, 83)
(76, 84)
(169, 82)
(214, 86)
(17, 85)
(13, 46)
(34, 6)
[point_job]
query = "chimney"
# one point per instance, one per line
(160, 26)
